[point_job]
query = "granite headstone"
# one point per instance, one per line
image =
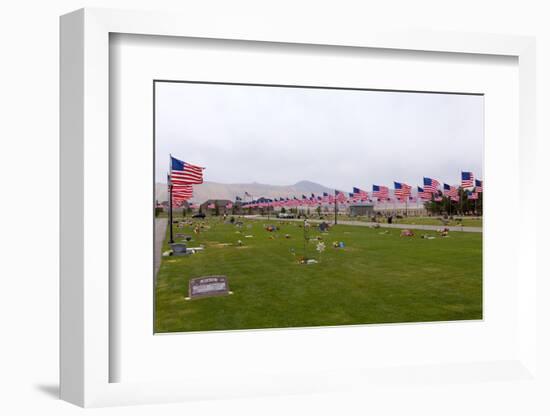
(200, 287)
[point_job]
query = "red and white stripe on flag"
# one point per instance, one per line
(183, 173)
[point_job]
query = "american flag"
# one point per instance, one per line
(340, 196)
(430, 185)
(467, 179)
(402, 190)
(211, 206)
(473, 195)
(450, 191)
(359, 194)
(183, 173)
(380, 192)
(184, 190)
(181, 197)
(312, 201)
(479, 186)
(438, 199)
(179, 192)
(423, 194)
(229, 205)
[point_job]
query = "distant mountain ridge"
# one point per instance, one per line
(216, 190)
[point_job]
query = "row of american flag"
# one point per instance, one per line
(184, 175)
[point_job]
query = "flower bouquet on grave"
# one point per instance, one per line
(320, 248)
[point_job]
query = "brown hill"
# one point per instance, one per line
(215, 190)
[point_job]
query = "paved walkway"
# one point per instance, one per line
(160, 234)
(382, 225)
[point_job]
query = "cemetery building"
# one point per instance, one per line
(219, 204)
(401, 209)
(361, 210)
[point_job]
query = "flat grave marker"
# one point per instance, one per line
(179, 249)
(207, 286)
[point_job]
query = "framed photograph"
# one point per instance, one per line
(256, 212)
(239, 218)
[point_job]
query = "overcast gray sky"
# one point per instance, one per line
(338, 138)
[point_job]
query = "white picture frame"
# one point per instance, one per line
(85, 216)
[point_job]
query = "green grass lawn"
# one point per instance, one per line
(466, 222)
(376, 278)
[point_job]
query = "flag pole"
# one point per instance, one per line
(335, 209)
(170, 187)
(171, 216)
